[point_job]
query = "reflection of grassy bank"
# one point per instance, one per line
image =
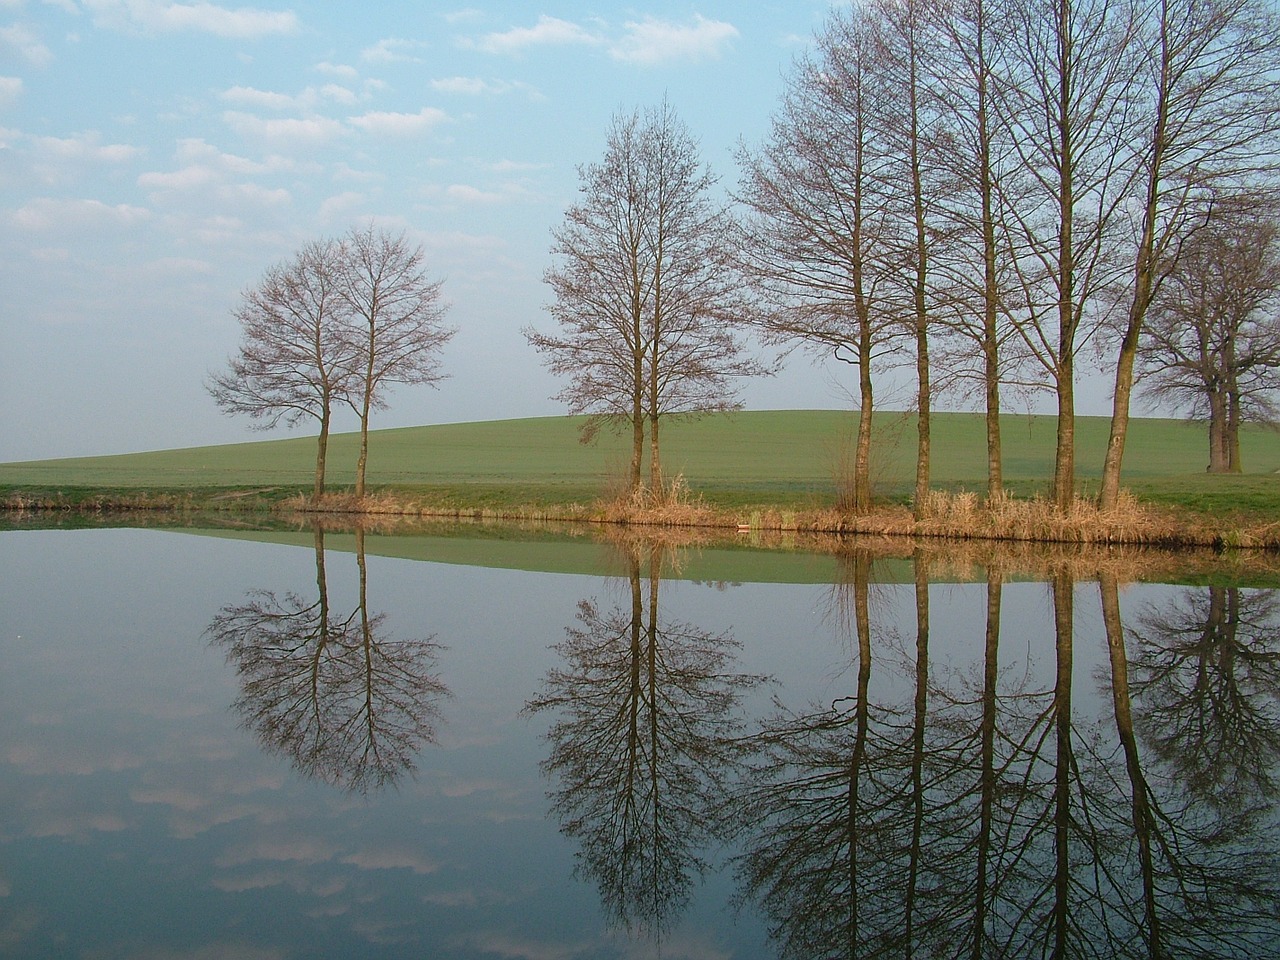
(702, 554)
(767, 470)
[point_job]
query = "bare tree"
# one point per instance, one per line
(1211, 100)
(294, 360)
(819, 216)
(395, 322)
(645, 289)
(1212, 342)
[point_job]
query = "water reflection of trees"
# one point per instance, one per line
(982, 814)
(643, 745)
(332, 690)
(1208, 666)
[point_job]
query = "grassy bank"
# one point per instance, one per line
(765, 469)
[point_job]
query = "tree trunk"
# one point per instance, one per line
(322, 449)
(637, 447)
(862, 454)
(990, 287)
(655, 461)
(1064, 458)
(1109, 494)
(363, 459)
(1218, 460)
(1233, 433)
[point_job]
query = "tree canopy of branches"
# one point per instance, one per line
(1020, 173)
(644, 288)
(294, 360)
(339, 322)
(818, 216)
(1212, 342)
(396, 316)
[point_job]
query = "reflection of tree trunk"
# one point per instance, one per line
(917, 737)
(1063, 622)
(366, 638)
(990, 671)
(655, 747)
(1142, 814)
(862, 622)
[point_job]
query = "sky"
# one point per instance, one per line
(157, 157)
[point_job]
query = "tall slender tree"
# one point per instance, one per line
(815, 239)
(1070, 68)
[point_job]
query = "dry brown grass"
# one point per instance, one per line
(962, 516)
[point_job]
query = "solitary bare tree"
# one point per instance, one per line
(294, 359)
(644, 288)
(395, 322)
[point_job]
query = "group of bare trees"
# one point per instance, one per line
(979, 190)
(984, 188)
(338, 323)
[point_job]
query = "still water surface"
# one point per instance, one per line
(214, 747)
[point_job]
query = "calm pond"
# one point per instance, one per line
(230, 744)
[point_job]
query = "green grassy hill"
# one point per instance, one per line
(759, 456)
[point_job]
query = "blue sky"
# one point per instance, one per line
(156, 157)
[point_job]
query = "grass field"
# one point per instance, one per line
(783, 457)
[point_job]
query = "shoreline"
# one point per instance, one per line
(947, 517)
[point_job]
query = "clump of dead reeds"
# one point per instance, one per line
(669, 503)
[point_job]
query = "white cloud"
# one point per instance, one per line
(392, 50)
(25, 44)
(650, 41)
(285, 133)
(85, 147)
(548, 31)
(158, 16)
(265, 99)
(340, 206)
(337, 70)
(338, 94)
(477, 86)
(399, 124)
(49, 214)
(10, 90)
(188, 178)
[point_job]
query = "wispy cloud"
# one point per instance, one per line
(53, 214)
(306, 100)
(547, 32)
(393, 50)
(86, 147)
(345, 71)
(10, 90)
(285, 133)
(160, 17)
(25, 44)
(651, 41)
(399, 124)
(478, 86)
